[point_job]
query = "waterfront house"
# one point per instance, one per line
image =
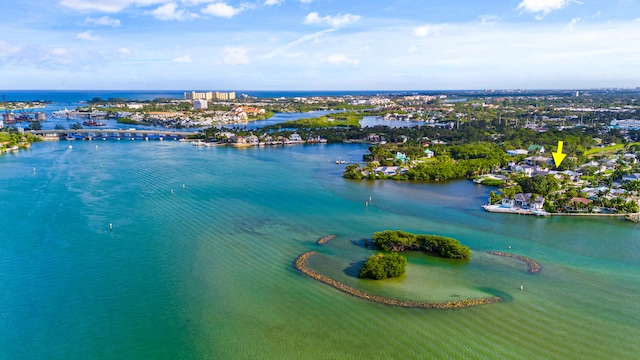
(252, 140)
(295, 138)
(578, 204)
(529, 201)
(372, 138)
(526, 201)
(387, 170)
(402, 157)
(316, 139)
(238, 140)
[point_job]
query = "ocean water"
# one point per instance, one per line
(199, 263)
(84, 95)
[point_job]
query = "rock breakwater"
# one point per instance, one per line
(534, 267)
(325, 239)
(301, 265)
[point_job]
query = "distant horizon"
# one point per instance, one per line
(72, 96)
(333, 90)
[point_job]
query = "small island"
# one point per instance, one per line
(383, 266)
(398, 241)
(390, 265)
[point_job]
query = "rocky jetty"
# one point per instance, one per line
(301, 265)
(325, 239)
(534, 267)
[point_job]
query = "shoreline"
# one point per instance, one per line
(534, 267)
(301, 265)
(520, 211)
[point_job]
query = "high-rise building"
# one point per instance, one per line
(209, 95)
(225, 95)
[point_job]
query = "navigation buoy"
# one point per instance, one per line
(183, 186)
(34, 170)
(110, 227)
(521, 287)
(171, 191)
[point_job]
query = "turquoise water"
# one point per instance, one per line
(206, 271)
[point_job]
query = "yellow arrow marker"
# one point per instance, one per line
(558, 156)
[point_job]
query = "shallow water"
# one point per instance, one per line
(206, 271)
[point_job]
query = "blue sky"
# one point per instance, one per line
(319, 44)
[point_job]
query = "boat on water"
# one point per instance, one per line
(93, 123)
(62, 114)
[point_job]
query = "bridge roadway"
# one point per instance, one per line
(107, 132)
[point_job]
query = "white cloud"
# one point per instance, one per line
(7, 49)
(427, 30)
(543, 6)
(183, 59)
(87, 36)
(170, 11)
(307, 38)
(236, 55)
(124, 51)
(108, 6)
(57, 55)
(103, 21)
(489, 19)
(273, 2)
(221, 9)
(333, 21)
(573, 22)
(340, 59)
(58, 51)
(306, 1)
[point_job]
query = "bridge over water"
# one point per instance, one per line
(110, 133)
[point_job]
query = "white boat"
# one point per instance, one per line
(62, 114)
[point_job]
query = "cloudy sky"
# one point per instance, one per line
(319, 44)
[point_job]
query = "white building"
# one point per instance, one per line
(296, 138)
(200, 104)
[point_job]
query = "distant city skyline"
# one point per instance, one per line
(319, 44)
